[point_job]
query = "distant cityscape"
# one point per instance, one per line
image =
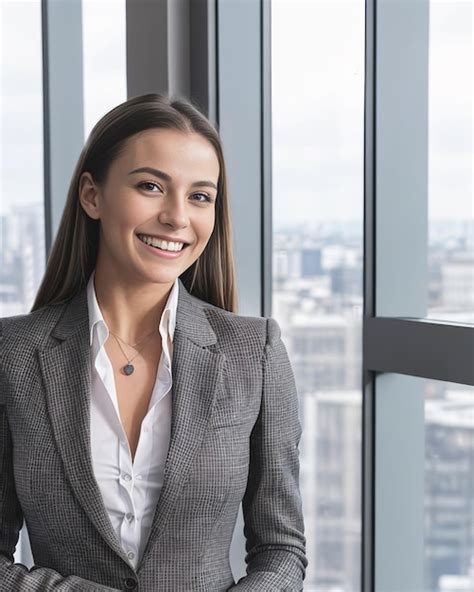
(318, 301)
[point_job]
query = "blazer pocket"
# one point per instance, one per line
(221, 423)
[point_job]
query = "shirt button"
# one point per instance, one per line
(131, 555)
(139, 477)
(126, 477)
(129, 516)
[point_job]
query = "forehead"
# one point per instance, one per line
(175, 152)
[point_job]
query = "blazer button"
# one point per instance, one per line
(130, 583)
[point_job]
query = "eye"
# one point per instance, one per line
(148, 183)
(206, 197)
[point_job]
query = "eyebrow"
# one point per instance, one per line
(166, 177)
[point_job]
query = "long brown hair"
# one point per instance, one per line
(73, 255)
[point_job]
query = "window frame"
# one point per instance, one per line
(398, 348)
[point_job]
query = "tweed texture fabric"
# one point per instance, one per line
(235, 433)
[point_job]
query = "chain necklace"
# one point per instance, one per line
(129, 368)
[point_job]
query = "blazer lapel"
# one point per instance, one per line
(196, 373)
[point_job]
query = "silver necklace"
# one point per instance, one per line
(129, 368)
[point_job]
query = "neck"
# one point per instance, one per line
(130, 310)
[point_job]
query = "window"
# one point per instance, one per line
(418, 331)
(21, 205)
(450, 157)
(105, 80)
(317, 203)
(449, 485)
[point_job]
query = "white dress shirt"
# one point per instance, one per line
(130, 490)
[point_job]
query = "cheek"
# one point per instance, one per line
(123, 217)
(207, 225)
(203, 229)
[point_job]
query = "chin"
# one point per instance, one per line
(162, 278)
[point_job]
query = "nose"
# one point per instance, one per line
(174, 212)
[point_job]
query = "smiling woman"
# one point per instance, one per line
(142, 407)
(138, 174)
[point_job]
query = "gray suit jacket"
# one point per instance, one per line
(234, 437)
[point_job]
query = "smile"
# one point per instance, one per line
(162, 244)
(160, 248)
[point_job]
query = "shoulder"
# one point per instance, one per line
(29, 329)
(245, 329)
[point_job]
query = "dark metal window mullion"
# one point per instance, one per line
(368, 376)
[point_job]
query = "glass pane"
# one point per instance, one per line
(424, 477)
(449, 487)
(318, 142)
(21, 205)
(450, 157)
(105, 63)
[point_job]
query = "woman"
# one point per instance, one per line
(137, 408)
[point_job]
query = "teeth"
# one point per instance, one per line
(165, 245)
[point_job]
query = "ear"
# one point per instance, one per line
(89, 196)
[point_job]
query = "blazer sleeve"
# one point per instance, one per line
(272, 507)
(16, 577)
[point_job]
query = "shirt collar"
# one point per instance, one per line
(168, 318)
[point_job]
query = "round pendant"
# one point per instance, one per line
(128, 369)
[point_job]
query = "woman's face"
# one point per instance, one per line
(174, 199)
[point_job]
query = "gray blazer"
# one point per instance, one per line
(234, 437)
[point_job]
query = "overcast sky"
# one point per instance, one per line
(317, 76)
